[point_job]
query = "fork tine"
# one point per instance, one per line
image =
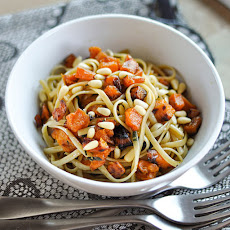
(220, 225)
(203, 204)
(217, 151)
(210, 194)
(220, 167)
(218, 159)
(223, 174)
(215, 216)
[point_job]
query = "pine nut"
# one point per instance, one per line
(91, 114)
(181, 113)
(175, 84)
(152, 118)
(99, 77)
(98, 98)
(149, 99)
(129, 156)
(141, 103)
(104, 71)
(183, 120)
(84, 66)
(162, 92)
(166, 98)
(117, 152)
(181, 88)
(123, 74)
(95, 83)
(171, 91)
(106, 125)
(50, 106)
(77, 89)
(190, 142)
(174, 120)
(121, 110)
(104, 111)
(83, 132)
(91, 132)
(42, 96)
(91, 145)
(140, 110)
(63, 91)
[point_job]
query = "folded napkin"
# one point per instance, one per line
(19, 174)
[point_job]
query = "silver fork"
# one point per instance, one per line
(182, 209)
(206, 173)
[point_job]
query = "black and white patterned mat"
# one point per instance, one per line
(19, 174)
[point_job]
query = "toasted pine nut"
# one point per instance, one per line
(106, 125)
(98, 98)
(99, 77)
(129, 156)
(183, 120)
(171, 91)
(95, 83)
(190, 142)
(140, 110)
(104, 111)
(123, 74)
(104, 71)
(50, 106)
(91, 145)
(91, 114)
(42, 96)
(175, 84)
(84, 66)
(162, 92)
(174, 120)
(117, 152)
(181, 87)
(181, 113)
(166, 98)
(77, 89)
(91, 132)
(63, 91)
(152, 118)
(141, 103)
(82, 132)
(148, 99)
(121, 109)
(156, 127)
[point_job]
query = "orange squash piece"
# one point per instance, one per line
(146, 170)
(193, 126)
(112, 92)
(176, 101)
(68, 62)
(63, 140)
(130, 66)
(59, 112)
(45, 114)
(138, 93)
(129, 80)
(78, 120)
(94, 51)
(155, 157)
(133, 119)
(116, 169)
(163, 111)
(188, 105)
(84, 74)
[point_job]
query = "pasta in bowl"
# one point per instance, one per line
(150, 41)
(112, 117)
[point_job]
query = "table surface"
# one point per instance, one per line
(208, 17)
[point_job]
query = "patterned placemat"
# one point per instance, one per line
(19, 174)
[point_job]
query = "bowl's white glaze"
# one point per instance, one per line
(146, 39)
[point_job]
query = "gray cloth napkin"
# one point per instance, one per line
(19, 174)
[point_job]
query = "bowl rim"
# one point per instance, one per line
(169, 177)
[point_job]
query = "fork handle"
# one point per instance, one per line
(19, 207)
(82, 223)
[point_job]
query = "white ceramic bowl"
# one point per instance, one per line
(146, 39)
